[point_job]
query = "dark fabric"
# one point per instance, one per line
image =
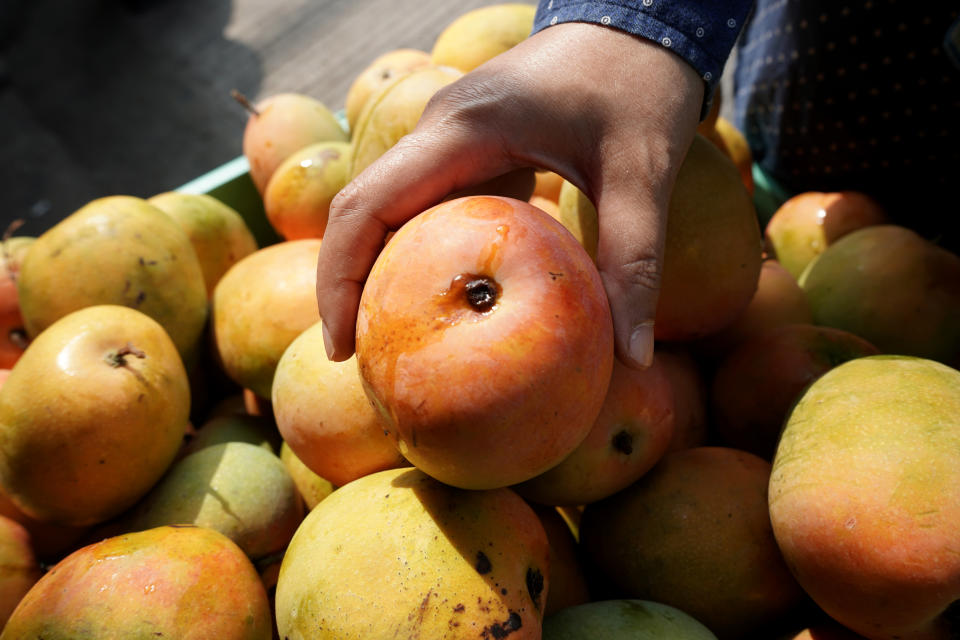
(859, 96)
(831, 96)
(702, 33)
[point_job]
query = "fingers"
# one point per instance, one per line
(416, 173)
(512, 113)
(632, 187)
(632, 193)
(629, 257)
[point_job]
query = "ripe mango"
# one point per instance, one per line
(397, 554)
(170, 582)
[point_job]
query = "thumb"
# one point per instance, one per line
(632, 235)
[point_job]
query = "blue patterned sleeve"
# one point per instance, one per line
(702, 33)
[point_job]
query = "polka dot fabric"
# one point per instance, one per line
(702, 33)
(853, 95)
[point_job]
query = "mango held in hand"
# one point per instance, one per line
(91, 416)
(485, 340)
(116, 250)
(170, 582)
(397, 554)
(865, 496)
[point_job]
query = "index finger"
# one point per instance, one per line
(416, 173)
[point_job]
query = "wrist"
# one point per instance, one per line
(702, 34)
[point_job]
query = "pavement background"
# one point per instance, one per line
(106, 97)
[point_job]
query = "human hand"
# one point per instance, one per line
(612, 113)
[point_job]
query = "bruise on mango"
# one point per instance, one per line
(535, 585)
(483, 563)
(503, 629)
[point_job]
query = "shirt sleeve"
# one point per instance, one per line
(702, 33)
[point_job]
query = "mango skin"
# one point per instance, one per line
(397, 554)
(579, 216)
(50, 542)
(324, 415)
(260, 306)
(805, 225)
(218, 233)
(865, 495)
(84, 431)
(19, 568)
(485, 399)
(257, 430)
(312, 487)
(393, 112)
(755, 386)
(298, 196)
(284, 123)
(892, 287)
(713, 251)
(173, 582)
(237, 488)
(624, 619)
(12, 340)
(481, 34)
(384, 69)
(694, 533)
(116, 250)
(631, 433)
(568, 581)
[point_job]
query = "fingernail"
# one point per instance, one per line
(641, 344)
(327, 341)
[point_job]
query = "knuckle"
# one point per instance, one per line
(351, 216)
(645, 272)
(344, 203)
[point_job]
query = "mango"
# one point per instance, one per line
(865, 496)
(893, 288)
(218, 233)
(171, 582)
(478, 35)
(19, 568)
(91, 416)
(239, 489)
(694, 533)
(393, 112)
(397, 554)
(117, 250)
